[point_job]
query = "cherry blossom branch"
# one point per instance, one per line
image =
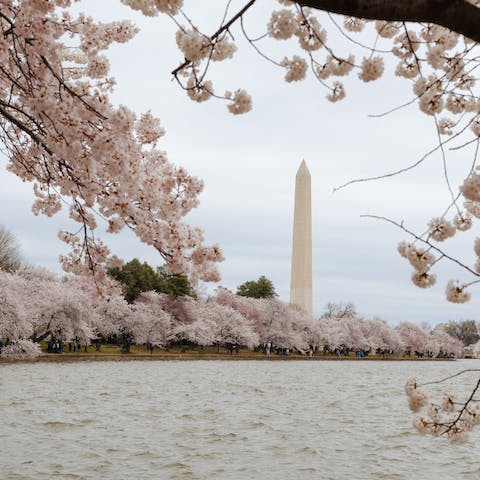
(25, 129)
(413, 165)
(449, 377)
(457, 419)
(391, 174)
(70, 90)
(252, 42)
(222, 29)
(444, 164)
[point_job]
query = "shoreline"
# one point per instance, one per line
(121, 357)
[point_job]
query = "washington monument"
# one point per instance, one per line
(301, 275)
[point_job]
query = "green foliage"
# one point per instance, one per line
(139, 277)
(174, 285)
(261, 288)
(465, 330)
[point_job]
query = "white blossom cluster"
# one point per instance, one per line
(462, 222)
(223, 49)
(151, 8)
(471, 187)
(194, 45)
(241, 102)
(296, 68)
(371, 69)
(421, 260)
(335, 66)
(423, 279)
(449, 417)
(199, 92)
(441, 229)
(337, 93)
(473, 208)
(354, 24)
(456, 293)
(282, 25)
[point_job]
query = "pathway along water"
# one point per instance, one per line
(222, 420)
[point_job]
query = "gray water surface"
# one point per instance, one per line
(222, 420)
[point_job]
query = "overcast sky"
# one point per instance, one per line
(249, 163)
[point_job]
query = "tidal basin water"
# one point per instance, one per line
(222, 420)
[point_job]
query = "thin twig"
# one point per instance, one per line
(426, 242)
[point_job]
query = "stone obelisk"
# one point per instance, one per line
(301, 275)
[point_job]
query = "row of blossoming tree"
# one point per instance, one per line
(37, 305)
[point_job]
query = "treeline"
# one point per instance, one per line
(36, 305)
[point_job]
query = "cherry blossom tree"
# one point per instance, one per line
(194, 323)
(380, 334)
(110, 314)
(250, 308)
(13, 316)
(156, 325)
(114, 319)
(36, 305)
(414, 337)
(441, 342)
(274, 321)
(60, 131)
(351, 334)
(230, 327)
(65, 315)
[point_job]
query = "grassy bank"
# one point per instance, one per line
(113, 353)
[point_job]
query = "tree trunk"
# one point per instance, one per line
(457, 15)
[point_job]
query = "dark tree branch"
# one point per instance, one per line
(457, 15)
(25, 129)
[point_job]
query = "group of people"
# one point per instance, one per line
(56, 346)
(432, 355)
(269, 347)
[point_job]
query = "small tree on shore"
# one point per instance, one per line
(261, 288)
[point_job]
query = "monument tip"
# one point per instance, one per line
(303, 169)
